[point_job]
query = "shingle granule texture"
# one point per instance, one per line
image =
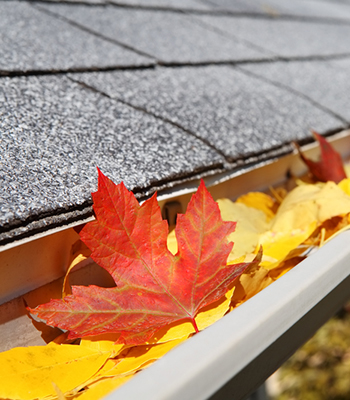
(167, 4)
(286, 38)
(238, 114)
(297, 8)
(326, 82)
(169, 37)
(157, 93)
(55, 133)
(32, 40)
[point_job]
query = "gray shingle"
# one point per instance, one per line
(32, 40)
(286, 38)
(53, 131)
(167, 4)
(90, 2)
(238, 114)
(311, 8)
(168, 36)
(326, 82)
(297, 8)
(53, 134)
(237, 6)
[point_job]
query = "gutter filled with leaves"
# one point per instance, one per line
(170, 287)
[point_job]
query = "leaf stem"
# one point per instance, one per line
(194, 325)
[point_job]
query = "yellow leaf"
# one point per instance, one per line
(327, 230)
(60, 395)
(105, 370)
(252, 281)
(213, 312)
(29, 372)
(304, 208)
(343, 229)
(278, 244)
(176, 330)
(251, 222)
(344, 185)
(284, 267)
(138, 357)
(205, 317)
(307, 204)
(260, 201)
(279, 193)
(80, 252)
(102, 387)
(132, 360)
(172, 242)
(103, 342)
(347, 169)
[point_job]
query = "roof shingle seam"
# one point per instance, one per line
(47, 221)
(311, 58)
(44, 222)
(156, 115)
(287, 38)
(153, 65)
(297, 93)
(93, 32)
(151, 32)
(32, 40)
(225, 41)
(180, 64)
(274, 59)
(73, 70)
(79, 209)
(236, 38)
(223, 105)
(323, 57)
(77, 2)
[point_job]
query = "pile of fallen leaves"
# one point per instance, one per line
(169, 286)
(320, 369)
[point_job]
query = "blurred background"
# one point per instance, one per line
(319, 370)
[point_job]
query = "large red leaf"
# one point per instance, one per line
(154, 288)
(330, 167)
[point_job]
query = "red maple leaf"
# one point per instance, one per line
(154, 287)
(330, 167)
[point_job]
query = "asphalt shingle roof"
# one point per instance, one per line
(167, 4)
(156, 93)
(210, 102)
(282, 8)
(286, 38)
(53, 152)
(167, 36)
(325, 82)
(32, 40)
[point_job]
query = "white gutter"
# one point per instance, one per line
(247, 345)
